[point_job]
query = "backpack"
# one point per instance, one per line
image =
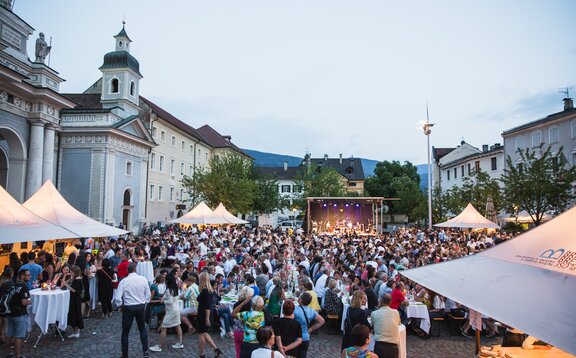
(7, 292)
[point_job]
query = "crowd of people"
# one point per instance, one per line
(286, 283)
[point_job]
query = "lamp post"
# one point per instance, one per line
(427, 128)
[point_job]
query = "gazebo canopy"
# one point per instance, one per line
(201, 214)
(221, 211)
(527, 282)
(469, 218)
(50, 205)
(19, 224)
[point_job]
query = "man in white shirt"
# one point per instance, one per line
(203, 249)
(229, 264)
(321, 283)
(132, 295)
(386, 323)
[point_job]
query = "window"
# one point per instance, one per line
(574, 159)
(519, 142)
(469, 168)
(151, 193)
(573, 125)
(296, 188)
(114, 85)
(152, 161)
(160, 190)
(184, 145)
(477, 166)
(172, 164)
(285, 188)
(191, 171)
(172, 194)
(154, 132)
(163, 136)
(554, 135)
(494, 163)
(181, 194)
(192, 149)
(462, 171)
(536, 138)
(132, 88)
(129, 168)
(448, 174)
(207, 156)
(352, 184)
(181, 168)
(161, 165)
(455, 173)
(173, 142)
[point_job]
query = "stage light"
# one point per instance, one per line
(335, 205)
(347, 205)
(324, 205)
(357, 205)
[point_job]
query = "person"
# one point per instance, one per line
(288, 331)
(90, 282)
(15, 264)
(76, 287)
(104, 277)
(305, 316)
(314, 303)
(332, 303)
(355, 315)
(157, 289)
(244, 300)
(361, 340)
(132, 295)
(265, 336)
(370, 295)
(205, 307)
(6, 277)
(190, 304)
(172, 317)
(17, 319)
(386, 323)
(276, 297)
(251, 320)
(34, 269)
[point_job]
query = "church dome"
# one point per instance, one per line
(121, 59)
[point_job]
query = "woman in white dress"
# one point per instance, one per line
(172, 317)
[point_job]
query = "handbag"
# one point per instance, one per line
(114, 284)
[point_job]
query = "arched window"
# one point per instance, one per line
(126, 201)
(132, 88)
(114, 85)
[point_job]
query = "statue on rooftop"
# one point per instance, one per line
(42, 48)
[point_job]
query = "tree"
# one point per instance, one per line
(325, 182)
(267, 198)
(228, 180)
(392, 180)
(475, 189)
(538, 183)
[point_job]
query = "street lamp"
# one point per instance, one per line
(427, 128)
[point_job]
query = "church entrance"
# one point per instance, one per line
(12, 163)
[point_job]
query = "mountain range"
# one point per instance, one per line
(264, 159)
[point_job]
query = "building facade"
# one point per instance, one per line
(557, 131)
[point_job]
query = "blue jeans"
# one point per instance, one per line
(128, 315)
(224, 313)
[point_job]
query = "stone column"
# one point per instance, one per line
(48, 160)
(35, 158)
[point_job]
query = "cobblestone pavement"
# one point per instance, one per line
(101, 339)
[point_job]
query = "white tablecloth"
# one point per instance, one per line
(145, 268)
(50, 307)
(93, 292)
(419, 311)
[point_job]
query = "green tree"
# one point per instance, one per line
(475, 189)
(439, 209)
(325, 182)
(228, 180)
(538, 183)
(267, 198)
(390, 180)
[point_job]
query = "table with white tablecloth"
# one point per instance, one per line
(49, 307)
(419, 310)
(145, 268)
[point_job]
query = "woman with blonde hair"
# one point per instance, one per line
(205, 307)
(356, 314)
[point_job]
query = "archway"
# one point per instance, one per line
(12, 162)
(126, 208)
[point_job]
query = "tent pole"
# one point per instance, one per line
(477, 340)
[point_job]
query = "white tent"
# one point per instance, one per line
(18, 224)
(50, 205)
(201, 214)
(221, 211)
(528, 282)
(469, 218)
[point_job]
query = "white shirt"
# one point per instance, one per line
(203, 249)
(265, 353)
(321, 285)
(229, 265)
(132, 290)
(109, 254)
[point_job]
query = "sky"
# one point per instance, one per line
(329, 76)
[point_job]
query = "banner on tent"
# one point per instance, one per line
(555, 259)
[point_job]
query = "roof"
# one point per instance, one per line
(492, 151)
(85, 101)
(123, 33)
(165, 115)
(438, 153)
(217, 140)
(121, 59)
(550, 118)
(279, 172)
(350, 168)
